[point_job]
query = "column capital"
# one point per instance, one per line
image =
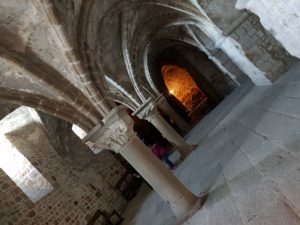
(147, 110)
(161, 99)
(115, 133)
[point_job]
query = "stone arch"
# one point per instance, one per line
(116, 9)
(49, 106)
(242, 65)
(182, 86)
(211, 80)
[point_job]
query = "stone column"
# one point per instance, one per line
(117, 134)
(229, 46)
(164, 105)
(149, 112)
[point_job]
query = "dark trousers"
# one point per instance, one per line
(168, 161)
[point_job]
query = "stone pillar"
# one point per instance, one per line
(149, 112)
(230, 47)
(117, 134)
(166, 108)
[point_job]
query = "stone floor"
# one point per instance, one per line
(248, 160)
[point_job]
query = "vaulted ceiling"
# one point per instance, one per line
(66, 56)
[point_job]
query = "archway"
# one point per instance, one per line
(190, 81)
(182, 86)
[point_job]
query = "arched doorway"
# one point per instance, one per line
(182, 86)
(190, 81)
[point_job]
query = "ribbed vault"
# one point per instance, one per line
(91, 54)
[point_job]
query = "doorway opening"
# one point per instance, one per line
(192, 84)
(182, 86)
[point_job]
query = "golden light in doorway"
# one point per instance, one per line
(182, 86)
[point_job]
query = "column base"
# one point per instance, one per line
(184, 154)
(197, 206)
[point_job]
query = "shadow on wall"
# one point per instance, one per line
(66, 143)
(9, 40)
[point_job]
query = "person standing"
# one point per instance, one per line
(162, 154)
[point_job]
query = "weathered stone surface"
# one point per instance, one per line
(76, 59)
(50, 189)
(256, 179)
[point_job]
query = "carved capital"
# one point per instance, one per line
(161, 100)
(146, 111)
(116, 132)
(116, 136)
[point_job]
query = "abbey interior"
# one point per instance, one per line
(88, 87)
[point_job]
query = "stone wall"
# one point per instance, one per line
(222, 13)
(66, 143)
(262, 48)
(204, 66)
(285, 13)
(258, 44)
(76, 195)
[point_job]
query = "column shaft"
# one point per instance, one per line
(174, 116)
(181, 200)
(117, 134)
(170, 134)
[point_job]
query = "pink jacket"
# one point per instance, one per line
(158, 151)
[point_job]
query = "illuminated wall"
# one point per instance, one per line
(38, 186)
(180, 84)
(22, 172)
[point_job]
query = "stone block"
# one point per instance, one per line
(266, 66)
(200, 218)
(222, 208)
(260, 34)
(281, 128)
(241, 32)
(240, 134)
(250, 116)
(289, 185)
(292, 76)
(227, 152)
(259, 62)
(235, 36)
(237, 165)
(252, 193)
(278, 164)
(288, 106)
(292, 90)
(277, 214)
(232, 126)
